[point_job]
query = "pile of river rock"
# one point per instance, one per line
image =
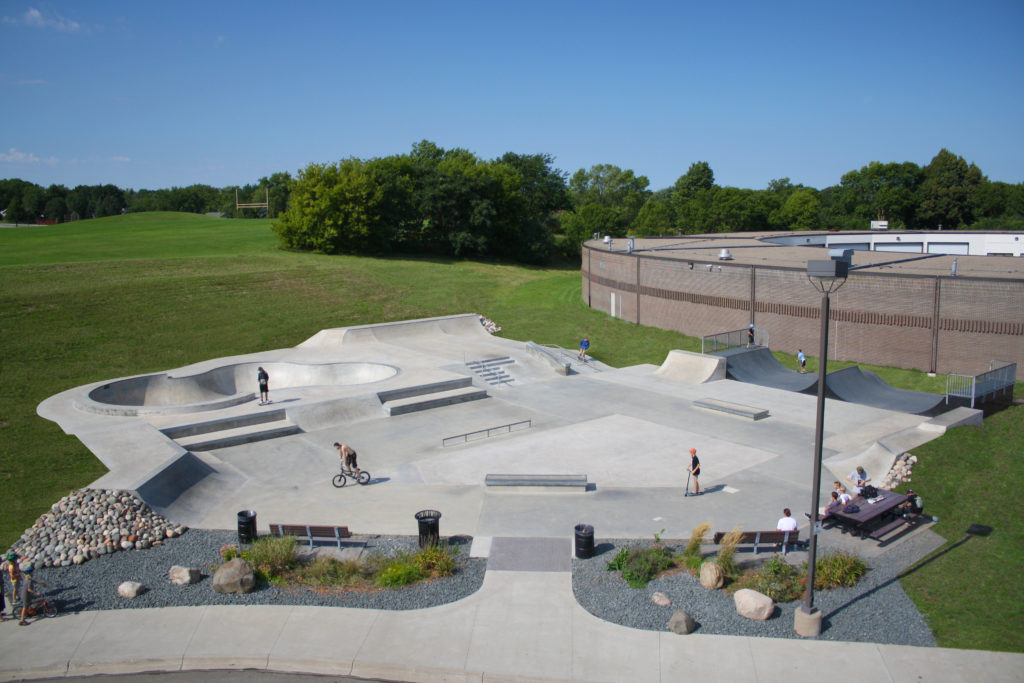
(91, 522)
(900, 472)
(490, 325)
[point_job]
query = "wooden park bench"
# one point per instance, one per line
(536, 480)
(310, 533)
(758, 538)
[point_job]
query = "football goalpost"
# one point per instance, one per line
(265, 205)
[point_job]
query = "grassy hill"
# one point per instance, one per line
(147, 292)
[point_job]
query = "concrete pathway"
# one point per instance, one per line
(521, 625)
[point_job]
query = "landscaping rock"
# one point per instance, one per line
(681, 623)
(711, 576)
(753, 605)
(182, 576)
(661, 600)
(91, 522)
(130, 589)
(234, 576)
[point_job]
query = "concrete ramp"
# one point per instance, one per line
(757, 365)
(692, 368)
(867, 388)
(461, 325)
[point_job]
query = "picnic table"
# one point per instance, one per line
(871, 514)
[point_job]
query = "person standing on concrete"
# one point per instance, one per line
(803, 360)
(750, 335)
(694, 470)
(584, 347)
(264, 379)
(858, 478)
(13, 571)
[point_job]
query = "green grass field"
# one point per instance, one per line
(146, 292)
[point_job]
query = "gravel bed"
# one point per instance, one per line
(93, 585)
(876, 610)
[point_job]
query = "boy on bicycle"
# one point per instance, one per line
(26, 592)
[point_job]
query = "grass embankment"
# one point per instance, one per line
(147, 292)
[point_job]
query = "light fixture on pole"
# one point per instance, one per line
(827, 277)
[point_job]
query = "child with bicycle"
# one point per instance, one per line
(348, 459)
(27, 590)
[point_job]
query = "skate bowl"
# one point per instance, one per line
(221, 387)
(692, 368)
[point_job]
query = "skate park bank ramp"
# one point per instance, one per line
(865, 387)
(757, 365)
(692, 368)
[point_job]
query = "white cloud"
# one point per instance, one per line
(13, 156)
(36, 19)
(121, 159)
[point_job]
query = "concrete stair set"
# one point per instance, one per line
(491, 370)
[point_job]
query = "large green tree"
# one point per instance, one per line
(883, 192)
(948, 192)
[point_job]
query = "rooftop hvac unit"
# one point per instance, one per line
(725, 255)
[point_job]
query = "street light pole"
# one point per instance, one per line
(827, 277)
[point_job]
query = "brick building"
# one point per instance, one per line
(933, 312)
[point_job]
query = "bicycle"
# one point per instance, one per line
(37, 605)
(363, 478)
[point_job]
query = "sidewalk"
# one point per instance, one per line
(521, 625)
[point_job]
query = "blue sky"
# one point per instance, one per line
(157, 94)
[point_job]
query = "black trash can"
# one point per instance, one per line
(584, 541)
(246, 526)
(430, 527)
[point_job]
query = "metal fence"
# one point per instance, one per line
(486, 433)
(999, 379)
(734, 339)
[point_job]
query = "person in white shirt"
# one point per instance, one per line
(844, 497)
(786, 523)
(858, 478)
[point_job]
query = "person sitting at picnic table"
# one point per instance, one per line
(844, 497)
(833, 506)
(786, 522)
(858, 478)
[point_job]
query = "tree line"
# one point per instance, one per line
(25, 202)
(519, 206)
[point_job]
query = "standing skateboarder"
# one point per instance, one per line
(803, 360)
(750, 335)
(264, 379)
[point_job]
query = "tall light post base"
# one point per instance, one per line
(807, 624)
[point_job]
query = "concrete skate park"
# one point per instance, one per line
(433, 406)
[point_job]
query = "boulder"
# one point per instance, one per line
(753, 605)
(182, 576)
(661, 600)
(711, 576)
(681, 623)
(130, 589)
(234, 576)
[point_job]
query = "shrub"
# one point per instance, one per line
(619, 561)
(837, 570)
(271, 557)
(727, 551)
(776, 578)
(400, 573)
(437, 560)
(696, 540)
(693, 563)
(329, 571)
(643, 564)
(229, 552)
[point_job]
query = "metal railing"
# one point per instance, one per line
(486, 433)
(734, 339)
(1001, 377)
